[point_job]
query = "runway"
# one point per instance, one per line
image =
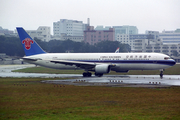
(108, 80)
(6, 71)
(119, 80)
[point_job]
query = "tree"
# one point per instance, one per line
(12, 46)
(124, 48)
(107, 46)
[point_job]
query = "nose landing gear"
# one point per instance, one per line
(161, 73)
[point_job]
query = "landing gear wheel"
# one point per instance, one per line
(87, 74)
(98, 74)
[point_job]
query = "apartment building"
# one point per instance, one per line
(170, 36)
(169, 49)
(69, 27)
(68, 37)
(128, 30)
(93, 36)
(130, 38)
(42, 33)
(157, 46)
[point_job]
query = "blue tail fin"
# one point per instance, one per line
(29, 45)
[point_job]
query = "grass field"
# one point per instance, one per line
(175, 70)
(27, 98)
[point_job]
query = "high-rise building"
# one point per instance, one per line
(92, 36)
(130, 38)
(42, 33)
(145, 45)
(125, 30)
(69, 27)
(170, 36)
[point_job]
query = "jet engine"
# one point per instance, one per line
(101, 69)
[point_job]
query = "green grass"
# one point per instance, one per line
(44, 101)
(175, 70)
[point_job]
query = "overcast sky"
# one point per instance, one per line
(157, 15)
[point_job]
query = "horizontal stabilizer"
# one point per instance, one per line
(30, 59)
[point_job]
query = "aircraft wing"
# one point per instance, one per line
(80, 64)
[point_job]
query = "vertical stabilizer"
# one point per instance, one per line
(117, 50)
(30, 46)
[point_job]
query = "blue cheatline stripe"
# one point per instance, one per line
(164, 62)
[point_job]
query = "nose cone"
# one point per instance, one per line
(173, 62)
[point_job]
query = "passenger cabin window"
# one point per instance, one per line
(140, 56)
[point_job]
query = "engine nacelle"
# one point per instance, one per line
(101, 69)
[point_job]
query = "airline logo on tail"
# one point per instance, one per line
(27, 43)
(117, 50)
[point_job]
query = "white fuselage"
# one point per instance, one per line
(122, 61)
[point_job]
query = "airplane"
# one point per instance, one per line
(117, 50)
(99, 63)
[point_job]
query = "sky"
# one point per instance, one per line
(156, 15)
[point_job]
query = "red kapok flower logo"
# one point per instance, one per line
(27, 43)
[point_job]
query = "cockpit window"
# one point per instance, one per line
(166, 58)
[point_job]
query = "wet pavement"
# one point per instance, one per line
(109, 80)
(119, 80)
(6, 71)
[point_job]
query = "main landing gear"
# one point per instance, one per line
(87, 74)
(98, 74)
(161, 73)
